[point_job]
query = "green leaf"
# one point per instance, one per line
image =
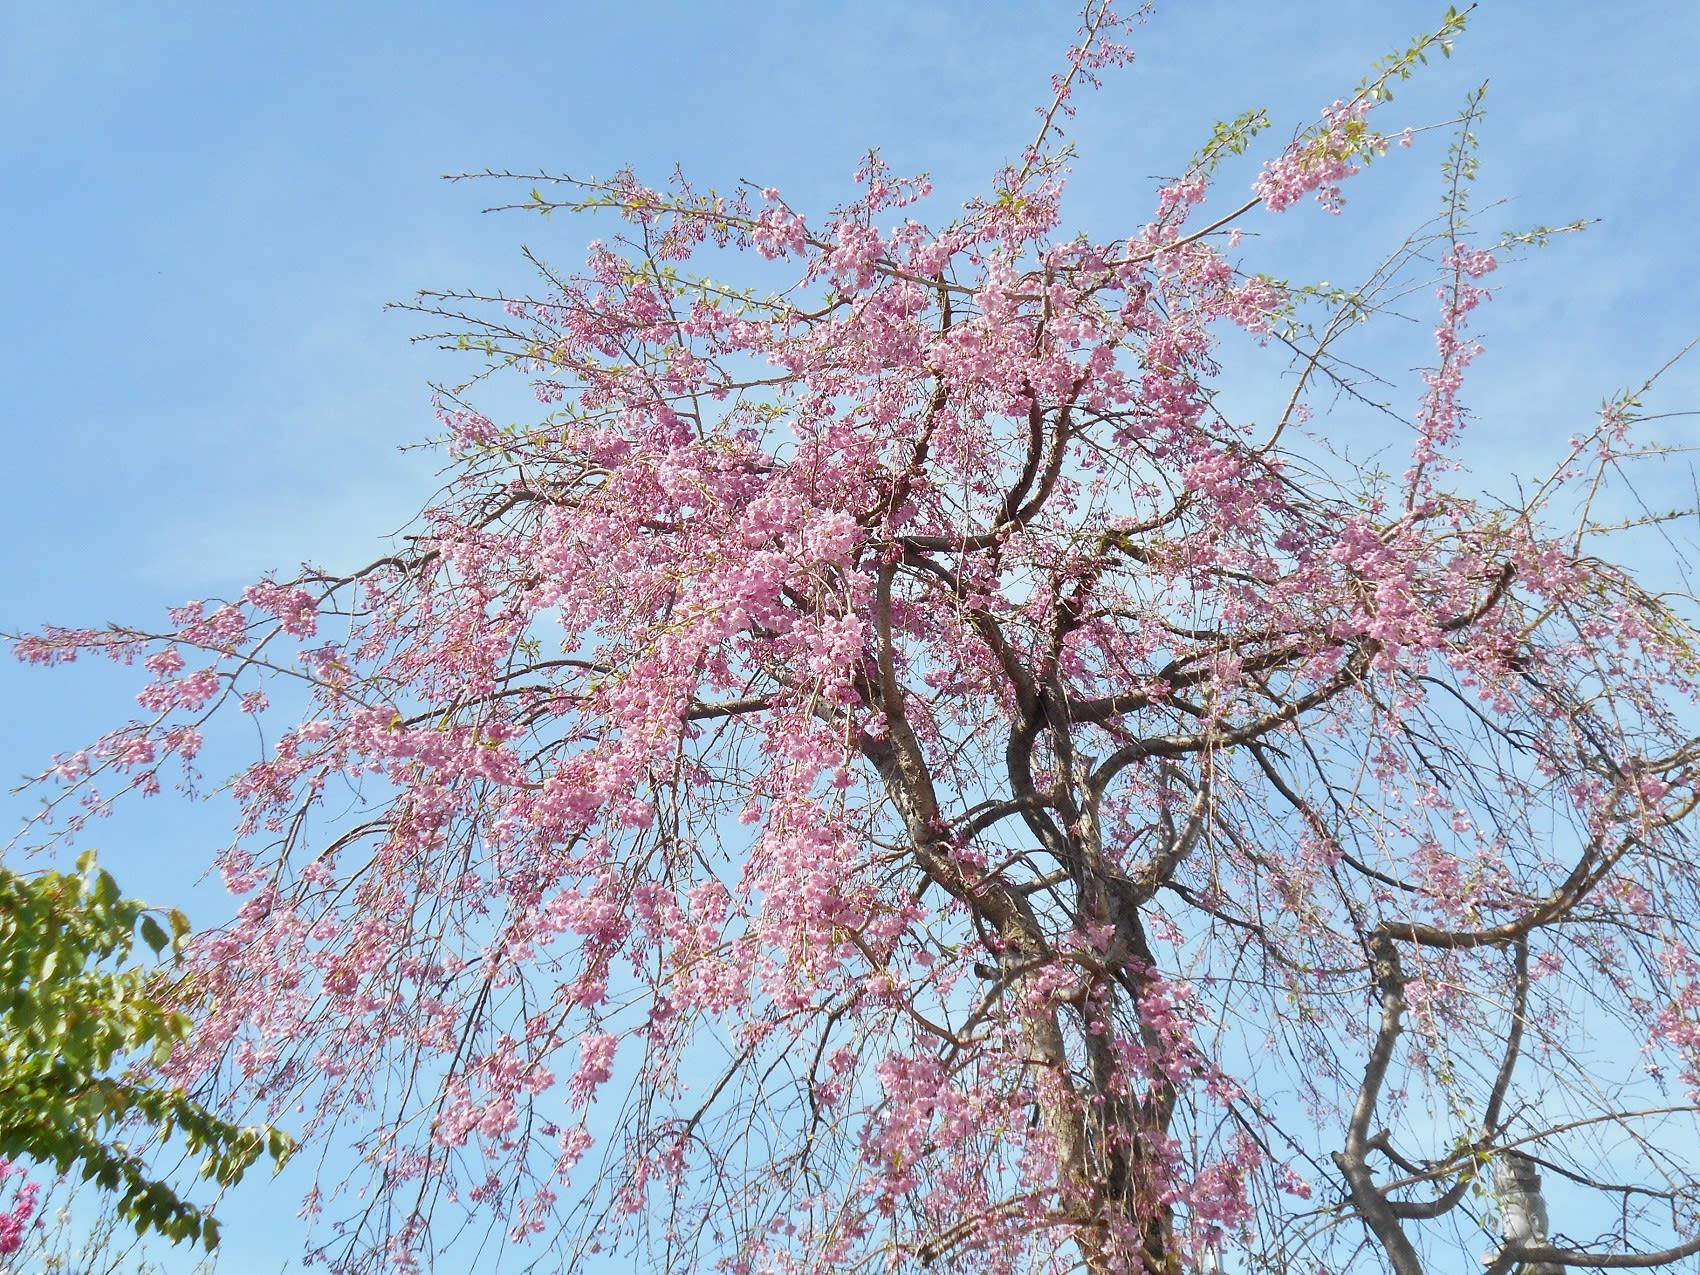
(153, 934)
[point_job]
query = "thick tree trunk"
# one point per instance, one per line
(1101, 1134)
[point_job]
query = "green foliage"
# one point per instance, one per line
(73, 1240)
(1402, 64)
(1462, 162)
(1229, 137)
(71, 1011)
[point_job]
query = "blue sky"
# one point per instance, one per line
(207, 206)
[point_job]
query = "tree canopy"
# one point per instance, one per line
(888, 772)
(73, 1014)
